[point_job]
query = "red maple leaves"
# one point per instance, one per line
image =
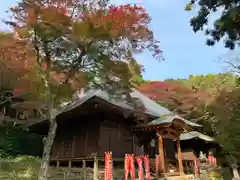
(119, 18)
(175, 96)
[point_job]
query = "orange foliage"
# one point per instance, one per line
(15, 60)
(127, 21)
(175, 96)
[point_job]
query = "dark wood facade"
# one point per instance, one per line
(92, 134)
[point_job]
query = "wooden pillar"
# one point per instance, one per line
(84, 164)
(161, 153)
(69, 164)
(58, 163)
(95, 169)
(179, 157)
(84, 169)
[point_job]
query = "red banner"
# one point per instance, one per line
(195, 167)
(129, 166)
(158, 164)
(146, 167)
(214, 161)
(210, 159)
(140, 168)
(108, 166)
(126, 166)
(132, 167)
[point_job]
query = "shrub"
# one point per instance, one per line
(15, 141)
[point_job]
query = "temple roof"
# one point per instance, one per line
(151, 107)
(170, 119)
(162, 115)
(194, 135)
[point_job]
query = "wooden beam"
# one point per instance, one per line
(170, 133)
(179, 157)
(168, 129)
(169, 136)
(161, 153)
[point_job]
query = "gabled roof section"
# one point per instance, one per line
(194, 135)
(162, 115)
(151, 107)
(170, 119)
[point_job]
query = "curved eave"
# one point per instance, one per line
(175, 121)
(196, 135)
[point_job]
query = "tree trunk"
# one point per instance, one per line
(47, 149)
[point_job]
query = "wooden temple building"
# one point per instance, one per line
(196, 145)
(98, 122)
(197, 142)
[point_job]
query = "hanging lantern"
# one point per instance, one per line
(147, 167)
(158, 164)
(108, 166)
(140, 168)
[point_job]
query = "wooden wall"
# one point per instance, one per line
(90, 135)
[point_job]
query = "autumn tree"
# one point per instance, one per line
(175, 96)
(79, 44)
(225, 27)
(15, 57)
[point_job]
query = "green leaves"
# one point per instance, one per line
(225, 110)
(226, 27)
(219, 23)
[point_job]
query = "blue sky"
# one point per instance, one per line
(185, 52)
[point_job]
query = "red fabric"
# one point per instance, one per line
(195, 167)
(140, 169)
(108, 166)
(132, 167)
(126, 166)
(147, 167)
(198, 163)
(158, 165)
(129, 167)
(210, 159)
(214, 161)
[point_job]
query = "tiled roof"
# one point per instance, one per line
(169, 119)
(163, 115)
(195, 134)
